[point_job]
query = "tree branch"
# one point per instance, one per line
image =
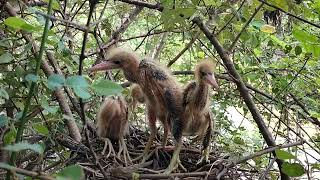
(194, 38)
(244, 27)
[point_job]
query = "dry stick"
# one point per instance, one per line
(244, 92)
(263, 176)
(27, 173)
(92, 4)
(66, 22)
(229, 21)
(205, 173)
(244, 28)
(158, 49)
(289, 14)
(315, 149)
(295, 76)
(115, 37)
(146, 37)
(313, 120)
(72, 126)
(194, 38)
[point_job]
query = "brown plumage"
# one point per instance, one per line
(137, 95)
(197, 115)
(162, 91)
(112, 124)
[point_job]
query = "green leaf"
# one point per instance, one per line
(316, 166)
(3, 120)
(55, 81)
(6, 58)
(268, 29)
(79, 86)
(106, 88)
(284, 155)
(297, 50)
(82, 92)
(55, 4)
(303, 36)
(18, 23)
(3, 93)
(73, 172)
(10, 136)
(77, 81)
(41, 129)
(32, 78)
(24, 146)
(315, 114)
(292, 169)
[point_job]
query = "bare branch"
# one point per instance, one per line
(194, 38)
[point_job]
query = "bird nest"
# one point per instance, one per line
(98, 166)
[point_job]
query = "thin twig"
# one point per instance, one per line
(244, 28)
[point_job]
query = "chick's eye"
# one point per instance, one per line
(116, 62)
(210, 73)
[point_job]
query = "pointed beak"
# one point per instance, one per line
(103, 66)
(210, 79)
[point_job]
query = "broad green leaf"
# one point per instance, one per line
(41, 129)
(24, 146)
(73, 172)
(6, 58)
(82, 92)
(292, 169)
(281, 154)
(3, 120)
(77, 81)
(18, 23)
(32, 78)
(303, 36)
(268, 29)
(55, 81)
(106, 88)
(79, 86)
(3, 93)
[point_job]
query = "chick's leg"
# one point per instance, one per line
(153, 129)
(166, 128)
(125, 152)
(207, 140)
(175, 119)
(107, 143)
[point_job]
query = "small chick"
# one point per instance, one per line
(197, 115)
(112, 124)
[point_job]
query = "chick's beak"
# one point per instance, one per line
(105, 65)
(210, 79)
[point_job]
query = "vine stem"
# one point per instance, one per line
(23, 118)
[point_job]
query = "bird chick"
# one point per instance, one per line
(112, 124)
(137, 95)
(197, 115)
(162, 91)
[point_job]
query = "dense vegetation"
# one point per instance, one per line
(267, 56)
